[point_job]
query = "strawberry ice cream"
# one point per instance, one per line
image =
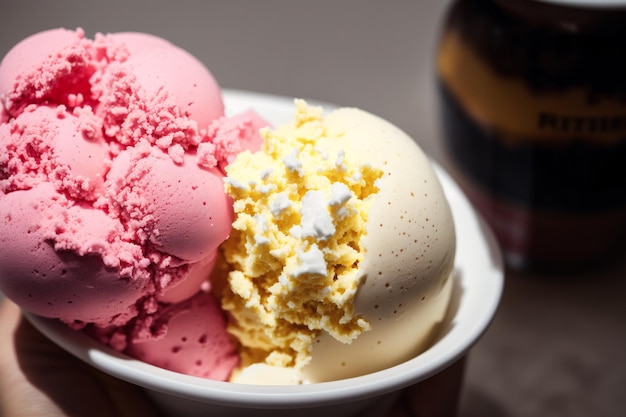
(195, 343)
(112, 202)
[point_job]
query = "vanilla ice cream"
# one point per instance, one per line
(341, 252)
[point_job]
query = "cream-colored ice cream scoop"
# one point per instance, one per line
(355, 208)
(409, 253)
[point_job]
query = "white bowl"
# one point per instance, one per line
(477, 288)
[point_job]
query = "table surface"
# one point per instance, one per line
(555, 347)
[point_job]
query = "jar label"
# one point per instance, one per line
(508, 104)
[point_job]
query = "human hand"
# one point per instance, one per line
(38, 378)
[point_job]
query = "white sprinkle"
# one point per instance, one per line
(266, 188)
(292, 162)
(316, 221)
(311, 262)
(296, 231)
(280, 203)
(235, 183)
(339, 194)
(259, 239)
(261, 222)
(339, 162)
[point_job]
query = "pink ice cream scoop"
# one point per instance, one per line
(194, 342)
(112, 201)
(51, 259)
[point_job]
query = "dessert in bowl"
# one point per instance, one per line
(478, 281)
(354, 266)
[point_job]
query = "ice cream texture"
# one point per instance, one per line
(112, 203)
(133, 209)
(341, 252)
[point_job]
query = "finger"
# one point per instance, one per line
(39, 378)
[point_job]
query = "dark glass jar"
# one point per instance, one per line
(533, 110)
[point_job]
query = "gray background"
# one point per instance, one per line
(556, 346)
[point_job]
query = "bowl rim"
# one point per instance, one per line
(479, 281)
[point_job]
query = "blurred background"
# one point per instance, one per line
(556, 346)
